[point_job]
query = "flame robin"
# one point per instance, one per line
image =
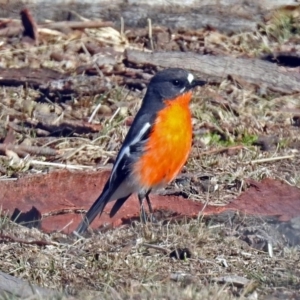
(156, 146)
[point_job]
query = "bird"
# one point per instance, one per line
(156, 146)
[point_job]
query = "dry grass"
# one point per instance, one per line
(117, 264)
(120, 264)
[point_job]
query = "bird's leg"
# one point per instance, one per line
(142, 214)
(152, 218)
(149, 202)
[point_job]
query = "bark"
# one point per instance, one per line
(216, 68)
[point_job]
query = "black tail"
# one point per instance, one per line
(118, 204)
(96, 209)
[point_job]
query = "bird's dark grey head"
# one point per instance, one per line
(170, 83)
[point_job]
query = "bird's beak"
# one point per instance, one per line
(198, 83)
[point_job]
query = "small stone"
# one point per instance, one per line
(105, 109)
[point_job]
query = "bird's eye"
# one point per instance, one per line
(176, 82)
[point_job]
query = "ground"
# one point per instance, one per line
(183, 259)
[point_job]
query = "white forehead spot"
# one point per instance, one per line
(190, 78)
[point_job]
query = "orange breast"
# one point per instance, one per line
(168, 146)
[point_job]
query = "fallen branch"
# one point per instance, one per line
(269, 159)
(216, 68)
(31, 29)
(11, 30)
(35, 150)
(13, 286)
(53, 83)
(63, 128)
(34, 78)
(78, 85)
(5, 238)
(76, 24)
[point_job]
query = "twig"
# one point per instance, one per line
(156, 248)
(20, 149)
(66, 226)
(200, 214)
(205, 204)
(77, 126)
(150, 33)
(122, 27)
(80, 17)
(76, 24)
(95, 63)
(16, 27)
(70, 154)
(214, 151)
(22, 241)
(114, 115)
(94, 112)
(59, 165)
(270, 159)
